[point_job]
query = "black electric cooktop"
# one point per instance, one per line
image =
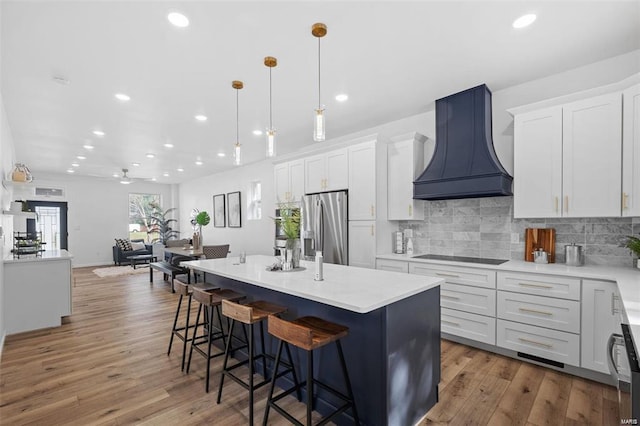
(462, 259)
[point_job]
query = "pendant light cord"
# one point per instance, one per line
(270, 105)
(319, 79)
(237, 119)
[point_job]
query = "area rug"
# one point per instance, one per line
(114, 271)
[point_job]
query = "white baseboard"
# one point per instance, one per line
(4, 333)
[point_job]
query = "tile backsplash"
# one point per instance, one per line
(485, 227)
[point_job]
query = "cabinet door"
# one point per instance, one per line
(592, 157)
(296, 180)
(362, 243)
(599, 321)
(537, 180)
(362, 181)
(314, 174)
(392, 265)
(281, 173)
(337, 170)
(405, 161)
(631, 152)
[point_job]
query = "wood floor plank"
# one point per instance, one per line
(108, 365)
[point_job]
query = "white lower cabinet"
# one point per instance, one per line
(563, 315)
(392, 265)
(600, 308)
(470, 326)
(456, 274)
(542, 342)
(466, 298)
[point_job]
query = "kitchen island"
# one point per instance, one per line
(393, 347)
(37, 290)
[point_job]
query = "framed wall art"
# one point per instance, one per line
(218, 211)
(233, 209)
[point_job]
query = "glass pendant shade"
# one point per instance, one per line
(237, 155)
(318, 128)
(271, 142)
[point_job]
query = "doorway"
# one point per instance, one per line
(51, 220)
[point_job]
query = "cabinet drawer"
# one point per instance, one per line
(541, 285)
(470, 326)
(456, 274)
(541, 311)
(469, 299)
(392, 265)
(550, 344)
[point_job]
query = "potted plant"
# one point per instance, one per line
(633, 244)
(289, 222)
(201, 219)
(161, 225)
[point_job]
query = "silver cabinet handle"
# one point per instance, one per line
(535, 311)
(442, 274)
(450, 322)
(446, 296)
(535, 285)
(546, 345)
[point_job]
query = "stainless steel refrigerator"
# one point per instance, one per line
(324, 226)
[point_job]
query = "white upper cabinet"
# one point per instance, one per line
(592, 157)
(568, 159)
(537, 180)
(289, 181)
(362, 243)
(327, 172)
(631, 152)
(405, 162)
(362, 181)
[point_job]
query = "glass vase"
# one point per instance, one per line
(294, 246)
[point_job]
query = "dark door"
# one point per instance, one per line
(51, 221)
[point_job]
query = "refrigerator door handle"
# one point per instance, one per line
(321, 226)
(613, 368)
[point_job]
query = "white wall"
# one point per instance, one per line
(255, 236)
(98, 212)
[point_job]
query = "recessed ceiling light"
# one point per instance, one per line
(150, 155)
(342, 97)
(70, 171)
(81, 157)
(98, 133)
(168, 145)
(178, 19)
(75, 164)
(257, 132)
(122, 97)
(524, 20)
(201, 117)
(116, 175)
(135, 164)
(180, 169)
(165, 174)
(153, 179)
(199, 163)
(221, 154)
(88, 147)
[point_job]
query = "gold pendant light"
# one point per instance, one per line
(271, 62)
(237, 159)
(319, 30)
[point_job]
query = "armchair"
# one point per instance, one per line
(120, 255)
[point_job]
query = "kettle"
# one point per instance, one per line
(540, 256)
(574, 255)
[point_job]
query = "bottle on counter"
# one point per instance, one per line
(409, 250)
(318, 274)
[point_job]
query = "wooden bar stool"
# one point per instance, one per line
(182, 332)
(250, 314)
(309, 333)
(211, 301)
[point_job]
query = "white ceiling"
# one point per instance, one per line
(392, 58)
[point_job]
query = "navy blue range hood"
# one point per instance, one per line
(464, 163)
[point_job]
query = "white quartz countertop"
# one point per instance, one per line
(355, 289)
(627, 279)
(45, 256)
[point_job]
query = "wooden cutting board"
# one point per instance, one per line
(544, 238)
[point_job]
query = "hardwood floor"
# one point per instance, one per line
(108, 365)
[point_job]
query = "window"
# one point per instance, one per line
(254, 201)
(141, 208)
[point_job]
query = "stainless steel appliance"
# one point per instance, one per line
(625, 371)
(574, 255)
(324, 226)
